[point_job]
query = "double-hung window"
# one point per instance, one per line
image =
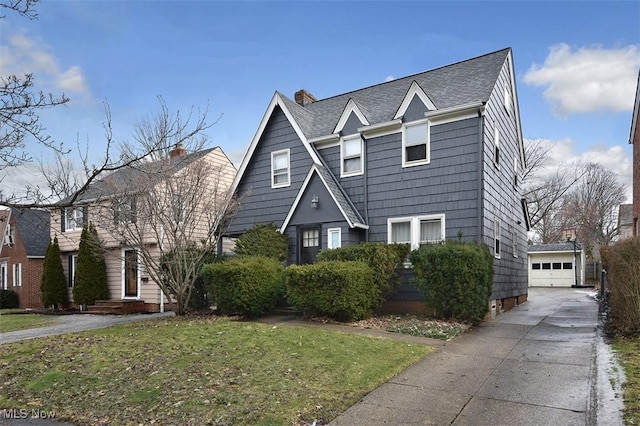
(126, 211)
(497, 237)
(351, 156)
(73, 262)
(280, 170)
(496, 146)
(415, 143)
(73, 218)
(416, 230)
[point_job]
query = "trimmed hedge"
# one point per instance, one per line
(249, 286)
(455, 278)
(263, 240)
(344, 291)
(622, 262)
(9, 299)
(384, 259)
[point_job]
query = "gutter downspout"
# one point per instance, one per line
(160, 288)
(480, 235)
(366, 189)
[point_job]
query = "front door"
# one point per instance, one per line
(130, 273)
(309, 244)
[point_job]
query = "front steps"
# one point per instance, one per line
(117, 307)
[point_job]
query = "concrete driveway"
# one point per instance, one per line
(534, 365)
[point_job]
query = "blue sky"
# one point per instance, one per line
(576, 62)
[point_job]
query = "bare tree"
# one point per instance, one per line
(592, 207)
(544, 190)
(174, 214)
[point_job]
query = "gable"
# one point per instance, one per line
(351, 119)
(415, 104)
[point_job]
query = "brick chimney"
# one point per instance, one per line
(177, 151)
(304, 98)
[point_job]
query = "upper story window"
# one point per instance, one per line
(280, 170)
(496, 146)
(508, 104)
(74, 218)
(178, 209)
(9, 237)
(415, 143)
(125, 211)
(497, 237)
(351, 156)
(516, 171)
(416, 230)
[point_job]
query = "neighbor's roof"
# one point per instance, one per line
(554, 247)
(462, 83)
(34, 227)
(121, 180)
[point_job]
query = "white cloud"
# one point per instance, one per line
(23, 55)
(389, 78)
(614, 158)
(588, 79)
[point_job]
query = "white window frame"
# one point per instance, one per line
(414, 231)
(508, 103)
(71, 217)
(497, 238)
(516, 173)
(427, 158)
(3, 275)
(344, 157)
(514, 242)
(72, 273)
(496, 146)
(273, 170)
(17, 275)
(330, 232)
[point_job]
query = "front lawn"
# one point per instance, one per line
(628, 351)
(199, 371)
(14, 321)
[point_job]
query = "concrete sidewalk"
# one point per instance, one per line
(534, 365)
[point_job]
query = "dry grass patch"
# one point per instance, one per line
(628, 351)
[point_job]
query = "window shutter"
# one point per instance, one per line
(63, 219)
(85, 215)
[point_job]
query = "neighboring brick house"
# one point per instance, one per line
(425, 158)
(25, 237)
(625, 221)
(130, 286)
(634, 139)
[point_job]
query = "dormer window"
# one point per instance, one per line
(415, 143)
(508, 105)
(280, 170)
(351, 156)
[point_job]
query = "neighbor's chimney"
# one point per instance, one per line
(178, 151)
(304, 98)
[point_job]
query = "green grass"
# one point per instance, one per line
(199, 371)
(628, 351)
(20, 322)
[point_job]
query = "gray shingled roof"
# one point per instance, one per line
(33, 227)
(457, 84)
(343, 201)
(129, 179)
(554, 247)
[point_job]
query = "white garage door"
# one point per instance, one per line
(551, 270)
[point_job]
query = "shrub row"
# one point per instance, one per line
(622, 262)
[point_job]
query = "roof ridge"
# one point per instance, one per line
(413, 75)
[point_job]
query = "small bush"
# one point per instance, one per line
(9, 299)
(344, 291)
(622, 262)
(263, 240)
(249, 286)
(455, 279)
(384, 259)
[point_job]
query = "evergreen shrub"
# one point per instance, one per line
(9, 299)
(250, 286)
(263, 240)
(455, 278)
(341, 290)
(53, 286)
(90, 283)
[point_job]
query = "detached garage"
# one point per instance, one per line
(556, 265)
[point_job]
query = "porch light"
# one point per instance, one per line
(314, 202)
